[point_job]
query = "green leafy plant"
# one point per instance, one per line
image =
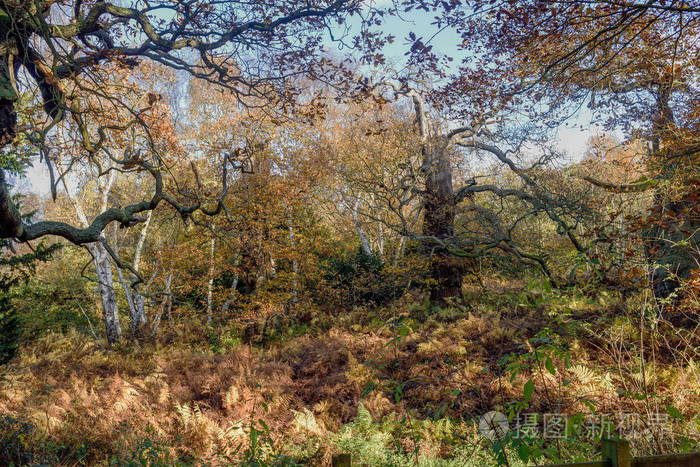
(260, 449)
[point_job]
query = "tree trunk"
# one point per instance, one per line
(8, 122)
(360, 231)
(139, 318)
(438, 223)
(125, 286)
(234, 286)
(103, 267)
(10, 220)
(400, 249)
(672, 249)
(669, 249)
(140, 312)
(210, 282)
(129, 297)
(227, 304)
(438, 205)
(295, 265)
(165, 305)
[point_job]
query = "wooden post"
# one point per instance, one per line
(342, 460)
(617, 451)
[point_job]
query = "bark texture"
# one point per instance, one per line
(671, 247)
(8, 122)
(10, 220)
(439, 217)
(103, 267)
(138, 318)
(438, 201)
(103, 264)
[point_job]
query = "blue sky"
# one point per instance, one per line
(572, 138)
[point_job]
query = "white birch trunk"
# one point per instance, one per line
(210, 283)
(103, 265)
(295, 265)
(110, 313)
(127, 293)
(139, 316)
(234, 285)
(401, 249)
(166, 304)
(360, 232)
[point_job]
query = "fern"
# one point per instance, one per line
(306, 420)
(585, 375)
(364, 419)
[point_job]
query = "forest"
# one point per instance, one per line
(302, 232)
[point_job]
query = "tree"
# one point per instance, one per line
(633, 63)
(438, 196)
(637, 64)
(483, 224)
(102, 261)
(371, 164)
(67, 47)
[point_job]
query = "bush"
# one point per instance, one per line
(361, 279)
(10, 329)
(50, 307)
(19, 444)
(14, 269)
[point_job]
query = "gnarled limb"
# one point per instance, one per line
(623, 188)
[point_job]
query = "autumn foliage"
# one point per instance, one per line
(252, 233)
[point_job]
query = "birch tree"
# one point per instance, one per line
(135, 299)
(101, 258)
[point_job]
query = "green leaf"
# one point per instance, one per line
(368, 388)
(549, 364)
(524, 452)
(572, 272)
(6, 89)
(528, 389)
(674, 412)
(498, 446)
(536, 452)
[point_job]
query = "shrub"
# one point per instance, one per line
(20, 444)
(45, 307)
(10, 329)
(361, 279)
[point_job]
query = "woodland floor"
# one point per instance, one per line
(394, 385)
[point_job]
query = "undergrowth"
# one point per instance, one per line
(405, 383)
